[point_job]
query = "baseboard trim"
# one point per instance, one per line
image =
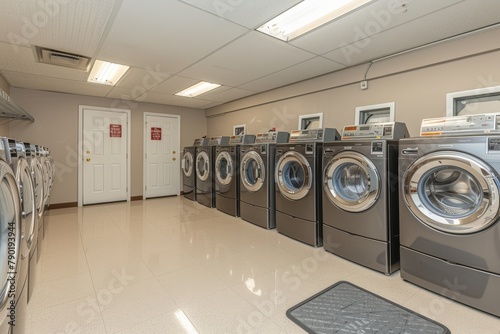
(136, 198)
(63, 205)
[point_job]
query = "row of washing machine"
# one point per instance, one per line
(26, 175)
(429, 205)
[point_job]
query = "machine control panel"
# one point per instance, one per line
(200, 142)
(325, 135)
(460, 125)
(241, 139)
(388, 130)
(273, 137)
(218, 140)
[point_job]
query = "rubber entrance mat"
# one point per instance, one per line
(346, 308)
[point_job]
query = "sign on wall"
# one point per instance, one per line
(155, 133)
(115, 130)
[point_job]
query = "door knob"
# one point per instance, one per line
(173, 152)
(174, 159)
(88, 152)
(88, 159)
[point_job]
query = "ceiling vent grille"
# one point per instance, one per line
(61, 58)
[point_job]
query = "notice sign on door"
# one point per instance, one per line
(115, 130)
(155, 133)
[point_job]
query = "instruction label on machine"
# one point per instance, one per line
(115, 130)
(155, 133)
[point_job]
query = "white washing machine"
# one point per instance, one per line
(450, 209)
(360, 195)
(36, 172)
(10, 245)
(17, 160)
(257, 195)
(227, 176)
(205, 166)
(298, 185)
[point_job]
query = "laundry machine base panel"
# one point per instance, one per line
(206, 199)
(227, 205)
(370, 253)
(257, 215)
(472, 287)
(189, 193)
(306, 231)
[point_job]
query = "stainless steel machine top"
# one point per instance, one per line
(388, 130)
(314, 135)
(218, 140)
(200, 142)
(460, 125)
(272, 137)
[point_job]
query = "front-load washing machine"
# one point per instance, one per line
(227, 175)
(36, 172)
(40, 200)
(257, 195)
(450, 208)
(205, 164)
(360, 201)
(10, 246)
(15, 156)
(188, 172)
(298, 184)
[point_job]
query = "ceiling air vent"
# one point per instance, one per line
(61, 58)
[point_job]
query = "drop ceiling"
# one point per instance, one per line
(171, 44)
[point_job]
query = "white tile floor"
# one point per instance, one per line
(173, 266)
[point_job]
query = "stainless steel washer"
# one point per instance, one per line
(298, 185)
(188, 172)
(257, 195)
(227, 176)
(449, 214)
(10, 245)
(360, 202)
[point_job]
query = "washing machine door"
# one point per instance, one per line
(187, 161)
(452, 192)
(351, 181)
(202, 165)
(24, 178)
(224, 168)
(37, 171)
(293, 175)
(252, 171)
(10, 236)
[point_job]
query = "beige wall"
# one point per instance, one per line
(416, 81)
(4, 127)
(56, 126)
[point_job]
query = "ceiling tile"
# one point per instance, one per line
(174, 85)
(251, 14)
(366, 23)
(23, 61)
(305, 70)
(247, 59)
(229, 94)
(153, 97)
(23, 80)
(167, 35)
(142, 80)
(432, 27)
(71, 26)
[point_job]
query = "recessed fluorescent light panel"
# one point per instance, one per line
(307, 15)
(106, 73)
(198, 89)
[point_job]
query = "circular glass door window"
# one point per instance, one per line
(202, 166)
(294, 175)
(188, 164)
(252, 171)
(224, 168)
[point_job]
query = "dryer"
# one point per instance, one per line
(188, 172)
(227, 175)
(450, 209)
(257, 195)
(205, 164)
(360, 202)
(298, 184)
(16, 157)
(10, 244)
(36, 172)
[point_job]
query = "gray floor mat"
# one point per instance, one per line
(346, 308)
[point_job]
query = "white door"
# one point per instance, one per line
(105, 147)
(162, 167)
